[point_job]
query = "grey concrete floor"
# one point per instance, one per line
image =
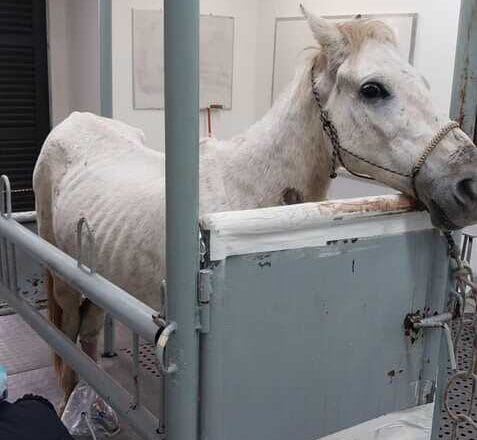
(28, 360)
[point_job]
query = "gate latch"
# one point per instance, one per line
(414, 322)
(205, 292)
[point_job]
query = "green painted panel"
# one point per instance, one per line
(306, 342)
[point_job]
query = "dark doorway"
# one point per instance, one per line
(24, 94)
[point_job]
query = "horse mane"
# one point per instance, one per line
(360, 30)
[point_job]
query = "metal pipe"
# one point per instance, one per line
(140, 418)
(450, 346)
(181, 25)
(24, 217)
(109, 337)
(124, 307)
(436, 321)
(106, 57)
(136, 367)
(464, 92)
(441, 322)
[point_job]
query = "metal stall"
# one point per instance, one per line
(303, 319)
(306, 311)
(457, 401)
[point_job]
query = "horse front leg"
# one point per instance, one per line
(67, 301)
(92, 320)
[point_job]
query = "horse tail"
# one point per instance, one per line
(55, 315)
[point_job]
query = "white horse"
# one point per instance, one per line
(355, 83)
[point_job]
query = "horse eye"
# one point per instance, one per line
(374, 90)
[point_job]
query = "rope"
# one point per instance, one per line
(464, 285)
(435, 141)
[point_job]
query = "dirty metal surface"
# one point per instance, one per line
(31, 280)
(459, 396)
(464, 96)
(147, 359)
(307, 342)
(364, 205)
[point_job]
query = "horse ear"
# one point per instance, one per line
(328, 36)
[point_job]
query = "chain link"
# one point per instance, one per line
(330, 129)
(465, 287)
(23, 190)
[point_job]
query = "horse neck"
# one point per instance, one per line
(284, 150)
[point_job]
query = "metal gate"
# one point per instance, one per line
(287, 314)
(307, 330)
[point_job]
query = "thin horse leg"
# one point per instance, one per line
(92, 320)
(69, 301)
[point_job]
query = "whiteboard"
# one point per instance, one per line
(216, 60)
(293, 35)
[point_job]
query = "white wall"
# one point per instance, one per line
(83, 33)
(58, 60)
(73, 57)
(435, 41)
(224, 123)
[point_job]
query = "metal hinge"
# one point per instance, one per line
(205, 292)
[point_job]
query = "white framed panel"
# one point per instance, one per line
(216, 60)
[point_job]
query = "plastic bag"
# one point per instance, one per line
(411, 424)
(87, 416)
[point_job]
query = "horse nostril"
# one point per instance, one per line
(466, 191)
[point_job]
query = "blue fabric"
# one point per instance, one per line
(3, 383)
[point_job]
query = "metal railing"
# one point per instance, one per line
(143, 321)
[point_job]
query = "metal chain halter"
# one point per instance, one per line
(330, 129)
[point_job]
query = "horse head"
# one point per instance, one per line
(381, 122)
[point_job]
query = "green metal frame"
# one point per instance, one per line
(464, 96)
(182, 202)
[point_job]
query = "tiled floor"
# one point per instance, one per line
(28, 360)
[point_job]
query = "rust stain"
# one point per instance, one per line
(384, 204)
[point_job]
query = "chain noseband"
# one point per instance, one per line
(330, 129)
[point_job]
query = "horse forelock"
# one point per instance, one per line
(359, 31)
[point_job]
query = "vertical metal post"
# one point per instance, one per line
(109, 337)
(106, 57)
(106, 98)
(136, 367)
(182, 196)
(464, 96)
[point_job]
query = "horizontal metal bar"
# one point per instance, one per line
(125, 308)
(436, 321)
(24, 217)
(140, 418)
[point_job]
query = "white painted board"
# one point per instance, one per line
(148, 59)
(216, 60)
(293, 35)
